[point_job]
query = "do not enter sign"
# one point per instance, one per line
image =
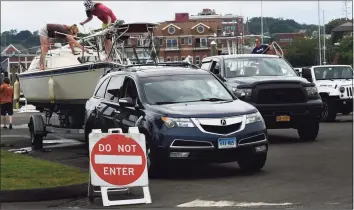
(118, 159)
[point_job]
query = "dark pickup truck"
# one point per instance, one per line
(268, 82)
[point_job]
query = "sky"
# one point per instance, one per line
(32, 15)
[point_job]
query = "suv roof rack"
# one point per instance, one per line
(131, 68)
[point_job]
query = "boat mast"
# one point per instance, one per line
(324, 40)
(319, 32)
(261, 21)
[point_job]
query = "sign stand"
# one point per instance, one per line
(104, 185)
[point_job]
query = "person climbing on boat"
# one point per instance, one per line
(103, 13)
(58, 31)
(261, 48)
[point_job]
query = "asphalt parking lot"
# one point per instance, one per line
(297, 174)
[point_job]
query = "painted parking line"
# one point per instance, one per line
(16, 126)
(206, 203)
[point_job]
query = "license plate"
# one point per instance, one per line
(283, 118)
(226, 143)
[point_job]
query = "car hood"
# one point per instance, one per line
(251, 80)
(204, 109)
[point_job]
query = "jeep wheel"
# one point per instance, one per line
(308, 131)
(328, 114)
(252, 162)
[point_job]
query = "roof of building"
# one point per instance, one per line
(345, 27)
(187, 27)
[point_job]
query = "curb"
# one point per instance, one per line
(43, 194)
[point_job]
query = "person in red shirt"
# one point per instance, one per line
(103, 13)
(6, 99)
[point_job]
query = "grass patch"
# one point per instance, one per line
(20, 171)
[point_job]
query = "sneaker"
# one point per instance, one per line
(10, 126)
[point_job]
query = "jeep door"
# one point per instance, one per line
(129, 115)
(111, 101)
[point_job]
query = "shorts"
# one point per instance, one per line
(43, 31)
(7, 108)
(108, 35)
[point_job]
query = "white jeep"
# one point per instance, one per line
(335, 86)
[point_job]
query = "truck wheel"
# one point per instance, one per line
(308, 131)
(252, 162)
(329, 113)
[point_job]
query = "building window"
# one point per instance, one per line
(168, 59)
(171, 30)
(201, 42)
(175, 58)
(161, 42)
(182, 40)
(171, 43)
(183, 58)
(190, 41)
(200, 29)
(197, 60)
(161, 59)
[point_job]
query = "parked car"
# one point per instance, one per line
(185, 114)
(335, 86)
(268, 82)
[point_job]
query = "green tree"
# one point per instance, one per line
(345, 50)
(302, 52)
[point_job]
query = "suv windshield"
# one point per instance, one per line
(184, 88)
(333, 72)
(253, 66)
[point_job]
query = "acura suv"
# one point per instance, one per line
(185, 114)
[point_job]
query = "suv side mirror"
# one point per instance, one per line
(126, 102)
(306, 73)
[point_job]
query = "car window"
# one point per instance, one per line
(253, 66)
(115, 83)
(130, 90)
(183, 88)
(102, 89)
(205, 66)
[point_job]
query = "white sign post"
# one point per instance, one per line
(118, 162)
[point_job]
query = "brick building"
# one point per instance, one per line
(284, 39)
(191, 35)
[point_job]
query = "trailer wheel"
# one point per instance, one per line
(37, 131)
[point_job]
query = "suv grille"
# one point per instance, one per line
(222, 129)
(280, 95)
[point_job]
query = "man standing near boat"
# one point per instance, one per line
(261, 48)
(103, 13)
(6, 99)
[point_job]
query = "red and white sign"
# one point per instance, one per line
(118, 160)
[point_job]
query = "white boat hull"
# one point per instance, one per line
(72, 85)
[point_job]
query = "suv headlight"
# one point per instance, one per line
(242, 92)
(312, 93)
(177, 122)
(254, 117)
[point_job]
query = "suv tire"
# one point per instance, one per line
(156, 166)
(329, 113)
(252, 162)
(308, 131)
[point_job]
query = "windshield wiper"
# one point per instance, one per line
(168, 102)
(214, 99)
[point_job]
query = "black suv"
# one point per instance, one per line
(185, 114)
(268, 82)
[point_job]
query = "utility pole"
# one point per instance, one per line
(261, 21)
(319, 32)
(324, 40)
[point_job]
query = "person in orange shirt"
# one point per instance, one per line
(6, 99)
